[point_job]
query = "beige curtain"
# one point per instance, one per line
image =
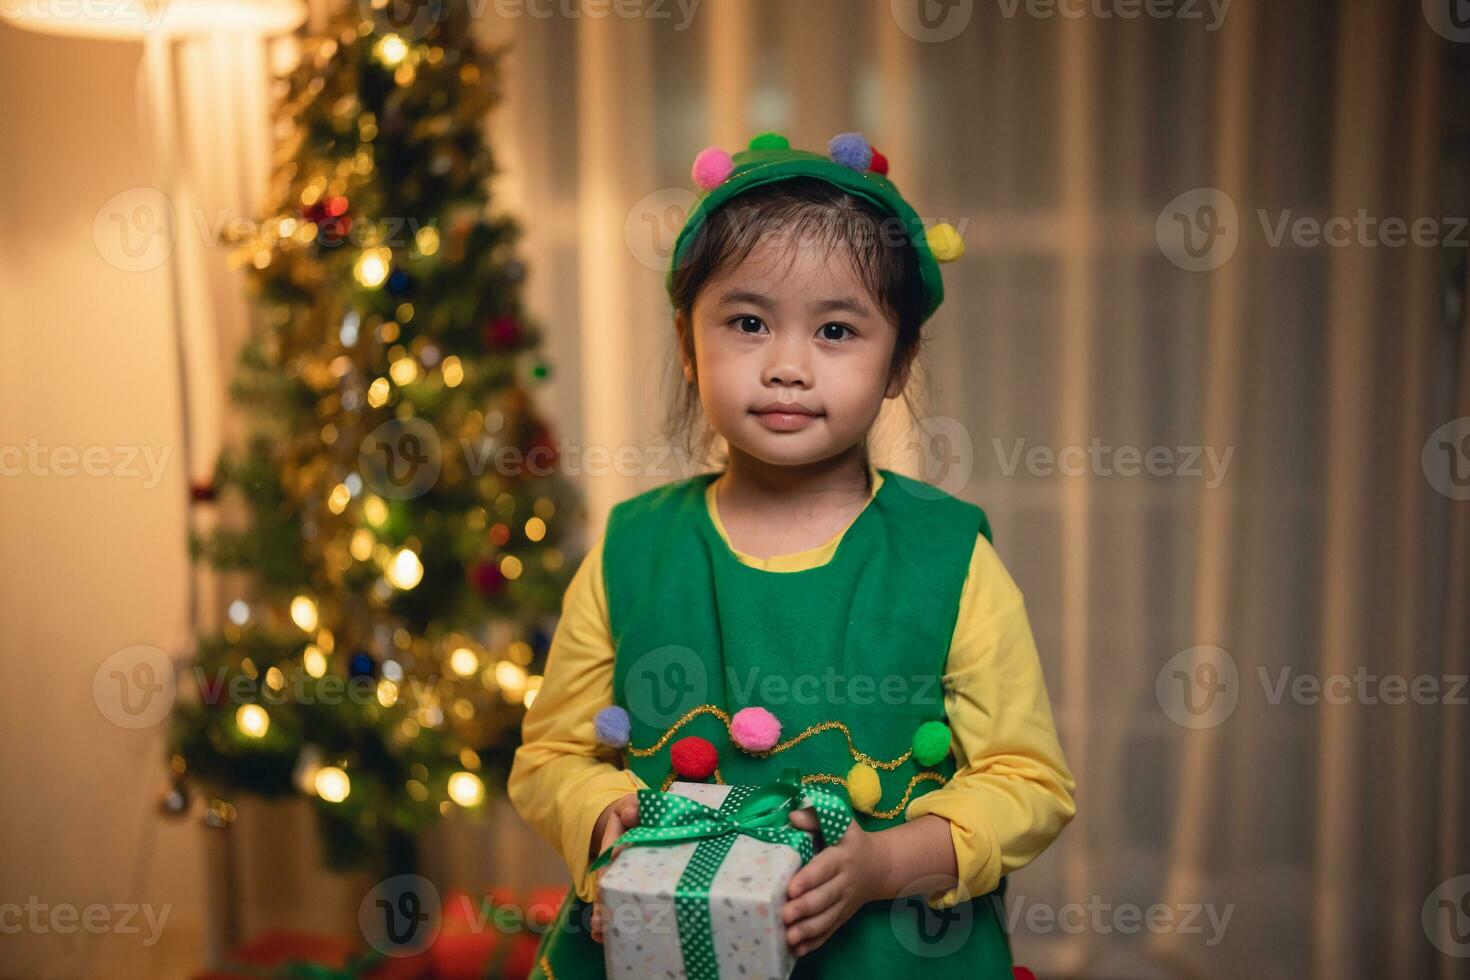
(1291, 838)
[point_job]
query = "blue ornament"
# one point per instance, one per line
(851, 150)
(362, 664)
(612, 726)
(398, 282)
(539, 640)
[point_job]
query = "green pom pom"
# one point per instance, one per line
(931, 742)
(770, 141)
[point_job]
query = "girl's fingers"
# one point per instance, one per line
(814, 929)
(814, 903)
(814, 874)
(803, 820)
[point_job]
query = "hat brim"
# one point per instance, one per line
(754, 168)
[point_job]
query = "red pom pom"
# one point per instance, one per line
(879, 164)
(694, 757)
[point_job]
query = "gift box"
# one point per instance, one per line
(698, 889)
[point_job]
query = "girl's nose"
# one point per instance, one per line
(788, 361)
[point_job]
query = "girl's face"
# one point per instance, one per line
(792, 329)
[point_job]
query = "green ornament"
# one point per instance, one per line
(540, 370)
(931, 742)
(769, 141)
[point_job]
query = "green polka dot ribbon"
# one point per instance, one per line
(761, 812)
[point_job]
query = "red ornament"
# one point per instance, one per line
(694, 757)
(487, 578)
(1021, 973)
(879, 164)
(331, 219)
(542, 450)
(502, 331)
(202, 492)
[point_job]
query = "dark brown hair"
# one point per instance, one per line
(803, 212)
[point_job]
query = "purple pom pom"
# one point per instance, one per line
(612, 726)
(851, 150)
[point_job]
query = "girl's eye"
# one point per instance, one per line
(739, 322)
(841, 327)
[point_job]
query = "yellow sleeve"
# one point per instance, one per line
(1011, 794)
(557, 784)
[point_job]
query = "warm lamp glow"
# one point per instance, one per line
(176, 18)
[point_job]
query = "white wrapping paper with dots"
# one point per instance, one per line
(747, 893)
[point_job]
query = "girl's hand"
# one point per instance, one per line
(619, 815)
(832, 885)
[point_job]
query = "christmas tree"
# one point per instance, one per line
(403, 520)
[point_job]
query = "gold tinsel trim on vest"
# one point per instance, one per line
(718, 712)
(820, 777)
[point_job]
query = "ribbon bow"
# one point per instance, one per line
(761, 812)
(757, 811)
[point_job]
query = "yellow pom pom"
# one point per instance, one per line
(863, 788)
(945, 242)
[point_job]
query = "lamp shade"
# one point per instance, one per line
(140, 19)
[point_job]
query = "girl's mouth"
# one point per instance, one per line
(785, 421)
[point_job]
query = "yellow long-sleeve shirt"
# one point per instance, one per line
(1011, 793)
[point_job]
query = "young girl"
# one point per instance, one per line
(803, 607)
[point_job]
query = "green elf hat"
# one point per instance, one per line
(850, 163)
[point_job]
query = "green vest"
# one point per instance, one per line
(857, 643)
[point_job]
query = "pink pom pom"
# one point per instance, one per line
(754, 729)
(711, 167)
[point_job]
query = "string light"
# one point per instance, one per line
(314, 661)
(405, 571)
(303, 613)
(332, 784)
(404, 371)
(466, 789)
(464, 662)
(252, 720)
(453, 371)
(390, 50)
(372, 267)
